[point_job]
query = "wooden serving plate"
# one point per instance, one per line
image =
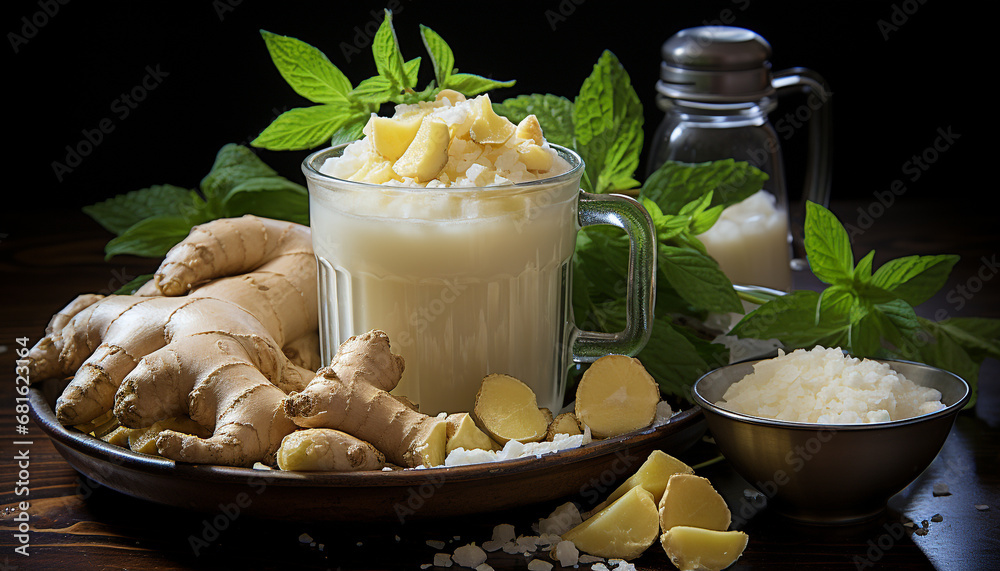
(400, 495)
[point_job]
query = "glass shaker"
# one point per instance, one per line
(716, 89)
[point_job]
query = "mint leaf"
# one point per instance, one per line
(150, 238)
(828, 248)
(554, 114)
(302, 128)
(119, 213)
(233, 165)
(470, 85)
(442, 57)
(351, 131)
(307, 70)
(792, 320)
(675, 184)
(914, 279)
(374, 90)
(698, 279)
(607, 123)
(133, 285)
(387, 55)
(272, 197)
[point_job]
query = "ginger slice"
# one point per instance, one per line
(427, 153)
(507, 409)
(623, 530)
(391, 136)
(326, 449)
(697, 549)
(616, 395)
(652, 475)
(691, 500)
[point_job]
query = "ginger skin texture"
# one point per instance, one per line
(352, 395)
(206, 338)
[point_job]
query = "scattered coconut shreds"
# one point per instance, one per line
(484, 567)
(982, 507)
(436, 544)
(941, 489)
(586, 558)
(305, 538)
(539, 565)
(566, 553)
(261, 466)
(937, 517)
(469, 556)
(426, 565)
(514, 449)
(442, 560)
(562, 519)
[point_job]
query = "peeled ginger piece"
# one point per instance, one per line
(326, 449)
(507, 409)
(691, 500)
(623, 530)
(616, 395)
(697, 549)
(653, 475)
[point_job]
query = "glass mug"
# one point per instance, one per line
(470, 281)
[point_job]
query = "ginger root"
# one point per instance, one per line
(204, 338)
(352, 395)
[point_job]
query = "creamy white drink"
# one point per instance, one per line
(750, 241)
(467, 271)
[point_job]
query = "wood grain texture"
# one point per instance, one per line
(76, 524)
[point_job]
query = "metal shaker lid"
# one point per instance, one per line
(716, 64)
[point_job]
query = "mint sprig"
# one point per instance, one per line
(149, 221)
(872, 314)
(342, 109)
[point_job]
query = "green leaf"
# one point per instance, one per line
(442, 57)
(792, 320)
(828, 248)
(554, 114)
(150, 238)
(302, 128)
(270, 197)
(388, 57)
(307, 70)
(411, 70)
(375, 90)
(133, 285)
(470, 85)
(233, 165)
(979, 336)
(698, 279)
(607, 123)
(675, 184)
(351, 131)
(119, 213)
(914, 279)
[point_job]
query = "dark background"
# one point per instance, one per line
(901, 73)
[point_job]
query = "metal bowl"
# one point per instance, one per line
(830, 473)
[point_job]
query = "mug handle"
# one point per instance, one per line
(626, 213)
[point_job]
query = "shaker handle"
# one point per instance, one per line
(817, 182)
(626, 213)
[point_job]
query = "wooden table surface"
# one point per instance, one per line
(74, 524)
